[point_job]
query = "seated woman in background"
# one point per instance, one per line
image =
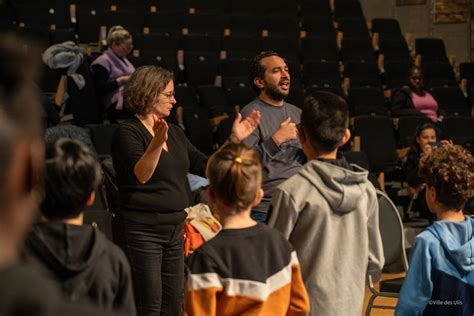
(414, 99)
(427, 137)
(111, 71)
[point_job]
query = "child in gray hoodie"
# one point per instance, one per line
(329, 212)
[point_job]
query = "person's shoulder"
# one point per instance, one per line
(292, 107)
(275, 235)
(131, 122)
(130, 125)
(295, 182)
(29, 290)
(27, 285)
(204, 258)
(427, 238)
(101, 61)
(255, 104)
(405, 89)
(298, 190)
(175, 129)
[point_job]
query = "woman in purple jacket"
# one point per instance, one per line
(111, 71)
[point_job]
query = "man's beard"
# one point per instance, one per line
(274, 94)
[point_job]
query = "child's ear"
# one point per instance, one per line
(345, 138)
(258, 197)
(302, 135)
(211, 195)
(432, 193)
(90, 200)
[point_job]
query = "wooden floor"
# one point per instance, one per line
(382, 300)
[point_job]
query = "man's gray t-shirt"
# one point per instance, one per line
(278, 163)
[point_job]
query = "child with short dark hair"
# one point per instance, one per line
(329, 212)
(440, 280)
(248, 268)
(85, 262)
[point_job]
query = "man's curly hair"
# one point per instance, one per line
(450, 170)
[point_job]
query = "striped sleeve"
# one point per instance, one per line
(202, 288)
(299, 300)
(208, 293)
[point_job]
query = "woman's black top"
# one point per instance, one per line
(167, 191)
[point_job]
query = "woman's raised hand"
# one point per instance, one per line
(160, 129)
(241, 129)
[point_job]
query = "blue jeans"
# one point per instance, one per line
(156, 257)
(196, 182)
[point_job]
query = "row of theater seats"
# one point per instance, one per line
(316, 21)
(365, 94)
(61, 14)
(333, 32)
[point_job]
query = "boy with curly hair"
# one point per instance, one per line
(440, 280)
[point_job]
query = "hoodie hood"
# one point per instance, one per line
(66, 249)
(457, 242)
(341, 186)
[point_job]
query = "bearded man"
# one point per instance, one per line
(276, 137)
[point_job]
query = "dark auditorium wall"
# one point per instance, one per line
(417, 20)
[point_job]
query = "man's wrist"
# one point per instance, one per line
(276, 140)
(233, 139)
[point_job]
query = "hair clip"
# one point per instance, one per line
(238, 160)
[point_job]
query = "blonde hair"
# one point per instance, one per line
(144, 86)
(117, 34)
(235, 175)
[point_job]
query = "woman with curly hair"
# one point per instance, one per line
(152, 159)
(440, 280)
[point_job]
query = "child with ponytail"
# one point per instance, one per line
(248, 268)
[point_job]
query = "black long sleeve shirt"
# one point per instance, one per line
(168, 190)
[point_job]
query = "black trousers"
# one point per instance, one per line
(156, 256)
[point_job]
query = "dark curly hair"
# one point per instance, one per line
(450, 170)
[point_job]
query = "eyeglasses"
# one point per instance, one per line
(169, 95)
(127, 45)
